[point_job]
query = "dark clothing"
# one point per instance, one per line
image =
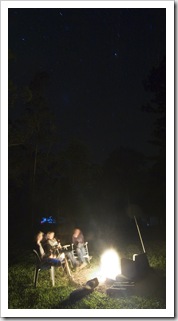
(45, 259)
(48, 249)
(56, 251)
(78, 239)
(39, 249)
(79, 246)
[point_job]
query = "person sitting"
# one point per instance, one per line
(78, 241)
(46, 258)
(53, 246)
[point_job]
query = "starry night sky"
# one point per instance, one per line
(97, 60)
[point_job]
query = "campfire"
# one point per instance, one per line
(109, 267)
(115, 275)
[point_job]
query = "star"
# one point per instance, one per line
(116, 53)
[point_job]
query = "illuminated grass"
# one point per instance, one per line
(23, 295)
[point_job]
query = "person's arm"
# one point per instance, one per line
(80, 238)
(41, 250)
(59, 246)
(73, 239)
(48, 250)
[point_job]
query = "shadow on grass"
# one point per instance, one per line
(74, 297)
(152, 285)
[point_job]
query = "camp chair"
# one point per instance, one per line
(86, 256)
(41, 266)
(66, 248)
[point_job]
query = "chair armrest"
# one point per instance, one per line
(66, 246)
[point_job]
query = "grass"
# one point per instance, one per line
(23, 295)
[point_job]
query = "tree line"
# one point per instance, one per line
(45, 179)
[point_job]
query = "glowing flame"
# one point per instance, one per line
(110, 266)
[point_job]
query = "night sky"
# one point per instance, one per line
(97, 60)
(94, 63)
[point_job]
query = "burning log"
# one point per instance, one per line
(84, 291)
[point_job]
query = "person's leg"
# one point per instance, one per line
(83, 252)
(72, 259)
(57, 262)
(53, 262)
(80, 255)
(67, 268)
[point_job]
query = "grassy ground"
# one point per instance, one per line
(149, 292)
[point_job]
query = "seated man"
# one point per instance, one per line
(78, 241)
(47, 258)
(53, 246)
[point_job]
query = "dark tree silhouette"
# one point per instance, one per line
(31, 135)
(156, 84)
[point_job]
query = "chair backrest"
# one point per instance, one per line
(86, 250)
(38, 258)
(41, 266)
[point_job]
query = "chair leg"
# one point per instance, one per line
(52, 275)
(36, 277)
(67, 268)
(88, 260)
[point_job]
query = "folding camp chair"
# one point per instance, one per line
(41, 266)
(86, 256)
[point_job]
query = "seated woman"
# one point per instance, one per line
(53, 246)
(47, 258)
(78, 241)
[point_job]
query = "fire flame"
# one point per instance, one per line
(110, 266)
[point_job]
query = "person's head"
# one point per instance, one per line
(50, 235)
(39, 236)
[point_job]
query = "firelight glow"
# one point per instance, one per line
(110, 265)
